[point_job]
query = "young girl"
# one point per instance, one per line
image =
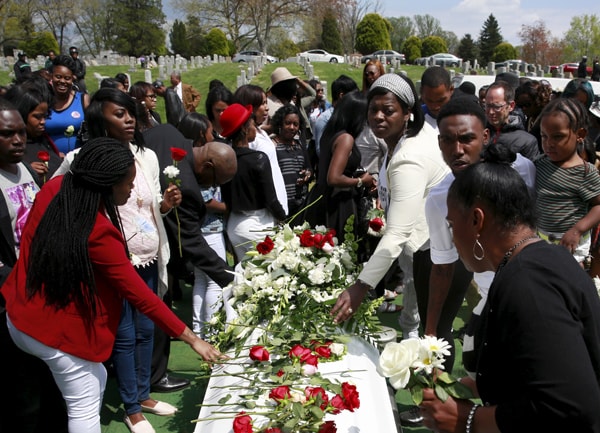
(568, 188)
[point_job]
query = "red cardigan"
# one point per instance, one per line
(66, 329)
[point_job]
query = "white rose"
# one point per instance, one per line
(308, 370)
(337, 348)
(396, 360)
(327, 248)
(298, 397)
(171, 172)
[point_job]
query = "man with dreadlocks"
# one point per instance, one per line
(66, 309)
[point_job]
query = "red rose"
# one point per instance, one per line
(273, 430)
(259, 353)
(280, 393)
(266, 246)
(313, 393)
(280, 373)
(376, 224)
(329, 237)
(328, 427)
(310, 359)
(319, 240)
(177, 154)
(299, 351)
(306, 239)
(242, 423)
(323, 351)
(337, 402)
(350, 396)
(43, 156)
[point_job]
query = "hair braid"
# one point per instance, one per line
(62, 269)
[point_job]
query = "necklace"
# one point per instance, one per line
(511, 250)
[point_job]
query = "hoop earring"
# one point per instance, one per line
(476, 245)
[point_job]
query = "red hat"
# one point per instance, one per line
(233, 118)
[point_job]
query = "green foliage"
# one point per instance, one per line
(401, 29)
(373, 34)
(432, 45)
(330, 38)
(489, 39)
(467, 49)
(137, 27)
(504, 51)
(216, 42)
(284, 49)
(39, 43)
(179, 41)
(412, 48)
(582, 38)
(195, 35)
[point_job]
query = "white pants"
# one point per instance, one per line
(81, 382)
(206, 294)
(409, 318)
(245, 227)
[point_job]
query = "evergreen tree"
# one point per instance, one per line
(489, 39)
(467, 49)
(137, 27)
(504, 51)
(330, 38)
(412, 48)
(372, 34)
(216, 43)
(178, 37)
(433, 45)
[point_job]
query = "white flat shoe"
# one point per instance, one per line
(161, 408)
(140, 427)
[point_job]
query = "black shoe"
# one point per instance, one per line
(170, 384)
(411, 417)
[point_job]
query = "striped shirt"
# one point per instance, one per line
(563, 194)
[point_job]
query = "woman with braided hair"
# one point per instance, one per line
(66, 309)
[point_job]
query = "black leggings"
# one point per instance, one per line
(456, 295)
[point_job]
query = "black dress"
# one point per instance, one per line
(336, 204)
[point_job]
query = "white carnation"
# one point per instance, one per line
(171, 172)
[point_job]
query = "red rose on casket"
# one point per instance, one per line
(313, 392)
(323, 351)
(280, 393)
(350, 396)
(328, 427)
(337, 402)
(299, 351)
(306, 239)
(242, 423)
(259, 353)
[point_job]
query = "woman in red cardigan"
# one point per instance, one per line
(66, 306)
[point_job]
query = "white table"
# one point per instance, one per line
(374, 415)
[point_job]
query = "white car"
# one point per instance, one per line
(445, 59)
(251, 55)
(321, 56)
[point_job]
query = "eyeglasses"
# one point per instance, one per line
(151, 96)
(369, 73)
(495, 108)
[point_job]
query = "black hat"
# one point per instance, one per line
(73, 50)
(157, 84)
(22, 55)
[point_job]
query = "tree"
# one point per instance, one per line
(57, 15)
(432, 45)
(216, 42)
(179, 40)
(451, 41)
(282, 46)
(351, 14)
(330, 38)
(504, 51)
(536, 39)
(95, 25)
(412, 48)
(467, 49)
(428, 26)
(489, 38)
(402, 29)
(583, 37)
(39, 43)
(134, 39)
(372, 34)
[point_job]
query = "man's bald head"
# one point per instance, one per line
(214, 164)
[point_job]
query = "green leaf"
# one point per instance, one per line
(440, 392)
(445, 378)
(417, 394)
(225, 399)
(460, 390)
(317, 412)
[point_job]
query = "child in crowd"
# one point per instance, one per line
(568, 187)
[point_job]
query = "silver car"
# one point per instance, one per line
(444, 59)
(390, 55)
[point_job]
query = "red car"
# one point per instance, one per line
(570, 67)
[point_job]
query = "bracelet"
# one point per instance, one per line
(359, 183)
(471, 417)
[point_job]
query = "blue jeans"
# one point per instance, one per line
(132, 352)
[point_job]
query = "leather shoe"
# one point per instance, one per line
(170, 384)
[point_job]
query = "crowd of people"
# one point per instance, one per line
(470, 184)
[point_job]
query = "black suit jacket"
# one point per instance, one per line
(192, 210)
(173, 107)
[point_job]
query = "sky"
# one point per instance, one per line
(468, 16)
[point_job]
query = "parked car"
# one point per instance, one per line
(321, 56)
(390, 55)
(444, 59)
(510, 64)
(570, 67)
(250, 55)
